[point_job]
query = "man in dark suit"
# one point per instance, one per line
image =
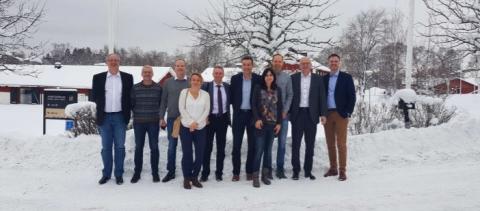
(111, 93)
(341, 98)
(219, 120)
(308, 107)
(241, 89)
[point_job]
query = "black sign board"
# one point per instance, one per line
(54, 103)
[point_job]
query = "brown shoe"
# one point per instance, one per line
(343, 176)
(196, 183)
(256, 181)
(331, 172)
(186, 184)
(249, 177)
(235, 178)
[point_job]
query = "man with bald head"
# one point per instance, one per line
(111, 93)
(146, 97)
(309, 107)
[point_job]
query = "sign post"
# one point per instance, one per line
(54, 103)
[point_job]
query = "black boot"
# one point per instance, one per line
(156, 178)
(270, 174)
(265, 179)
(295, 176)
(168, 177)
(103, 180)
(256, 181)
(135, 178)
(119, 180)
(281, 174)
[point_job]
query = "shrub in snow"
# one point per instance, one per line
(380, 115)
(431, 112)
(372, 117)
(83, 115)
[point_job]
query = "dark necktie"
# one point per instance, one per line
(219, 99)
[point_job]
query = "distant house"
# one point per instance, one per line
(457, 86)
(291, 64)
(16, 88)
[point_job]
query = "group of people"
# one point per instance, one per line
(198, 113)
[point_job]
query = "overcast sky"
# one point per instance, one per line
(147, 23)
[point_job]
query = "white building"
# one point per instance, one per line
(18, 88)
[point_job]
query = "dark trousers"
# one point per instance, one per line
(140, 130)
(172, 146)
(303, 125)
(263, 148)
(191, 166)
(216, 129)
(243, 120)
(112, 132)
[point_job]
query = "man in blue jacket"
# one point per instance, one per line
(340, 102)
(241, 89)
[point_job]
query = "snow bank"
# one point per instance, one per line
(82, 107)
(454, 140)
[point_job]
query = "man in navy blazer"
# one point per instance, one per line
(111, 93)
(341, 102)
(219, 120)
(241, 89)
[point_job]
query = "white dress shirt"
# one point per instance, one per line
(215, 98)
(113, 93)
(194, 110)
(305, 90)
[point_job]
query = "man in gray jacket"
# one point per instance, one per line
(170, 94)
(285, 84)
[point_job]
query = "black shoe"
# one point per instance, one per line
(203, 178)
(156, 178)
(270, 174)
(119, 180)
(295, 176)
(311, 176)
(135, 178)
(264, 177)
(218, 178)
(103, 180)
(281, 174)
(168, 177)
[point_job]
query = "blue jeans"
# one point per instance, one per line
(282, 142)
(198, 138)
(263, 146)
(172, 146)
(112, 132)
(140, 130)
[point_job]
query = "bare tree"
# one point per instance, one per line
(456, 23)
(18, 20)
(361, 40)
(262, 27)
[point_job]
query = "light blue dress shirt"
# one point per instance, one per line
(246, 90)
(332, 82)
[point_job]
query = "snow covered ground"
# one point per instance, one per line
(433, 168)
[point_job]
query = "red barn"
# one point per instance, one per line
(457, 86)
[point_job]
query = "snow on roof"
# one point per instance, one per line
(70, 76)
(207, 74)
(472, 81)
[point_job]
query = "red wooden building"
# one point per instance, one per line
(457, 86)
